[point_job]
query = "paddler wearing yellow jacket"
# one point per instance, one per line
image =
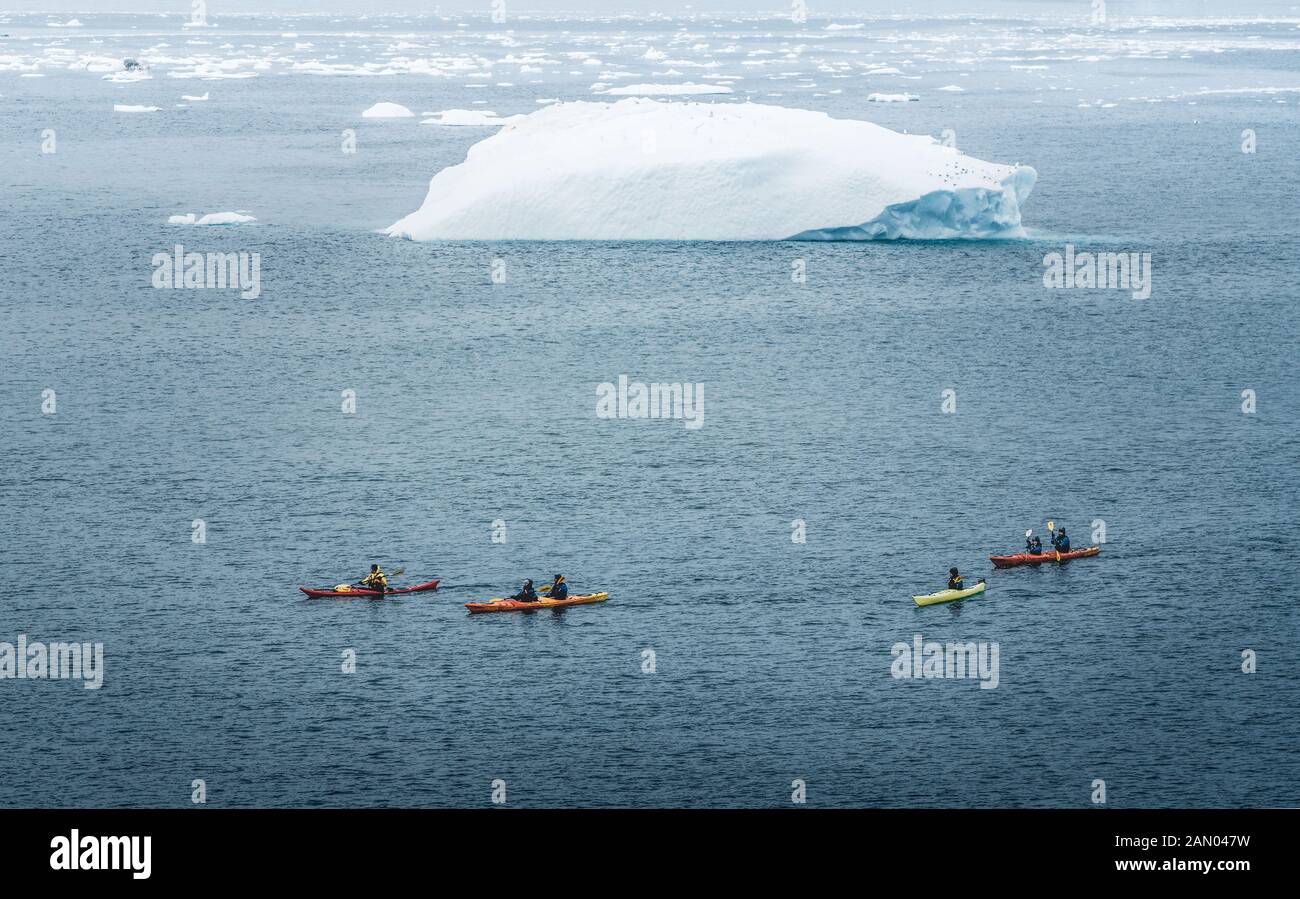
(375, 580)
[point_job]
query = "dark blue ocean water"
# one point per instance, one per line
(476, 402)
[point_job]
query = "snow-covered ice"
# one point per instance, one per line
(212, 218)
(651, 90)
(122, 107)
(387, 111)
(643, 169)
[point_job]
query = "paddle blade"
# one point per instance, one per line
(1050, 526)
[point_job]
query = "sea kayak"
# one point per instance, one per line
(1047, 555)
(948, 595)
(361, 591)
(514, 605)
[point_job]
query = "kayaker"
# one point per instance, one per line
(954, 580)
(1034, 546)
(1061, 541)
(375, 580)
(528, 594)
(559, 589)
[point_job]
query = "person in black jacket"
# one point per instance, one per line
(1061, 541)
(528, 594)
(559, 589)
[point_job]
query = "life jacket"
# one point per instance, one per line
(954, 583)
(559, 590)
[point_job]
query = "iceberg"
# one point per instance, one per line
(643, 169)
(387, 111)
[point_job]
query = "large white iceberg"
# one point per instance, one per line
(643, 169)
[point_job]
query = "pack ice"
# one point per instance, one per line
(643, 169)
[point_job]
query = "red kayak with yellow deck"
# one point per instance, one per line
(514, 605)
(1047, 555)
(363, 591)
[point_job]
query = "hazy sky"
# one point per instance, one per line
(815, 7)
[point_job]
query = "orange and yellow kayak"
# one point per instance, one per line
(514, 605)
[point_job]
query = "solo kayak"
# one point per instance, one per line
(514, 605)
(361, 591)
(1047, 555)
(948, 595)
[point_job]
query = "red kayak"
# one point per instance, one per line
(1047, 555)
(358, 591)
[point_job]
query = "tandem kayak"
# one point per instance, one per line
(1047, 555)
(948, 595)
(514, 605)
(360, 591)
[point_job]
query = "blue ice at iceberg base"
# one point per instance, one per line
(971, 213)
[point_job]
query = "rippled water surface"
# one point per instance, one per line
(476, 402)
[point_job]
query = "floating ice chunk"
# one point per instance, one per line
(212, 218)
(387, 111)
(955, 88)
(71, 23)
(121, 107)
(651, 90)
(467, 118)
(127, 77)
(836, 26)
(193, 99)
(643, 169)
(891, 98)
(653, 54)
